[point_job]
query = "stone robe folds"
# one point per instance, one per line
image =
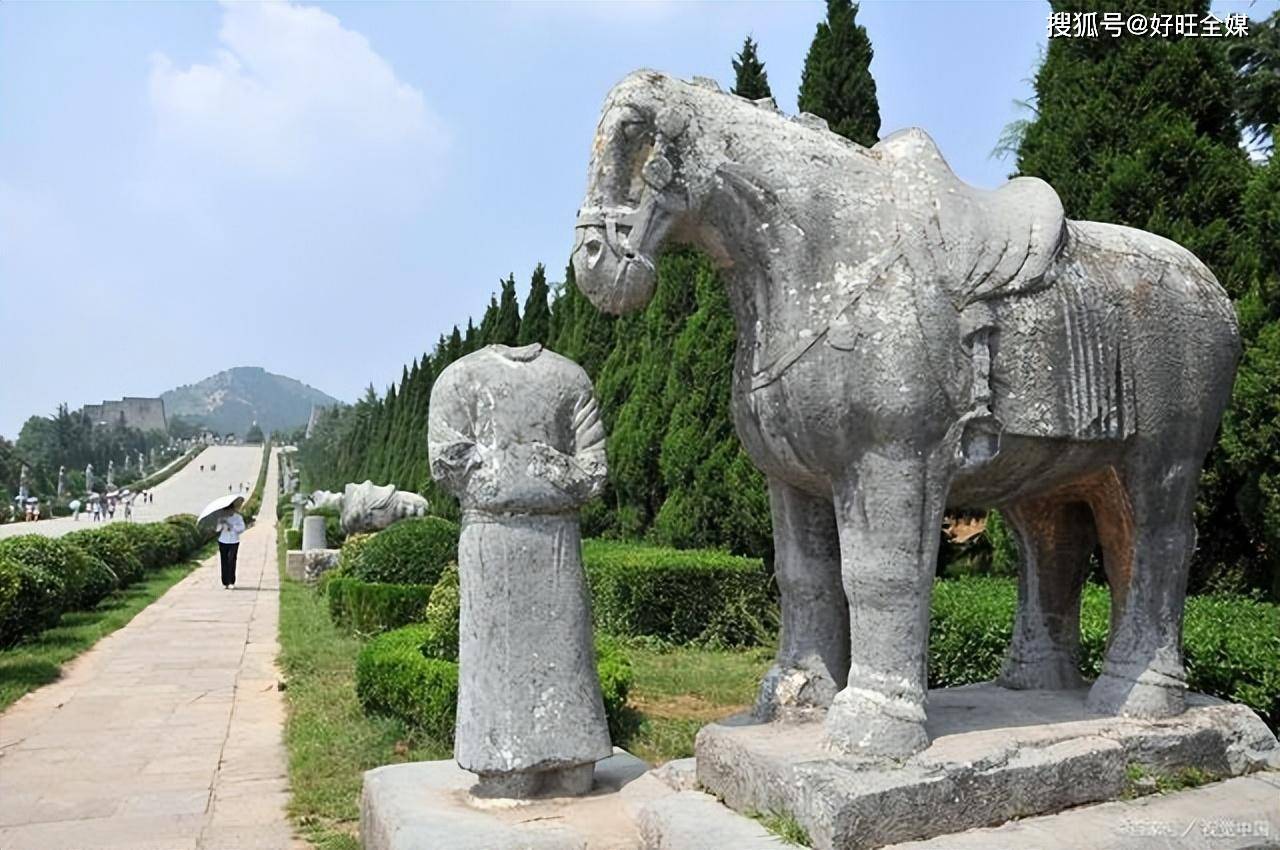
(515, 434)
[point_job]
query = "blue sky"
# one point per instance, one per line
(322, 189)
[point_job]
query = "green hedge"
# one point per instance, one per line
(81, 576)
(31, 599)
(249, 510)
(113, 548)
(1231, 644)
(43, 577)
(441, 617)
(370, 607)
(293, 539)
(679, 595)
(395, 678)
(411, 551)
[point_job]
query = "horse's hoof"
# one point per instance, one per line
(868, 724)
(794, 692)
(1056, 671)
(1150, 694)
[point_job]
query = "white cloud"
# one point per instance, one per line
(290, 93)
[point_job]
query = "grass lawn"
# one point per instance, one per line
(678, 690)
(27, 666)
(331, 741)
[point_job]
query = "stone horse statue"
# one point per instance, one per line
(907, 343)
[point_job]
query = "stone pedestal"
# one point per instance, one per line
(309, 564)
(313, 533)
(429, 806)
(995, 754)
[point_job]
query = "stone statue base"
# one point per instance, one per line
(432, 805)
(995, 755)
(309, 564)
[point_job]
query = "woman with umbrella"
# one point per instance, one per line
(223, 512)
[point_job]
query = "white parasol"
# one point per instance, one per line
(219, 507)
(74, 504)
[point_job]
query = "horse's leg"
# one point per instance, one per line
(813, 648)
(1148, 533)
(1055, 539)
(889, 510)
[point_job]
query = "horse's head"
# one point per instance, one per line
(636, 191)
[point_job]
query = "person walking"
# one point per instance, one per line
(230, 527)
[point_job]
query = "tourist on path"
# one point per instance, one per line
(230, 527)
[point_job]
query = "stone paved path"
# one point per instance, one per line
(167, 735)
(187, 491)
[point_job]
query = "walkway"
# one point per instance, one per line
(167, 735)
(185, 492)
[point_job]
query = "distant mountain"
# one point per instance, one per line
(230, 401)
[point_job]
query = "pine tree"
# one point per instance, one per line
(535, 325)
(1256, 59)
(750, 79)
(836, 82)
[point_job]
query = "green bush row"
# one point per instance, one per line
(411, 551)
(371, 607)
(254, 503)
(679, 595)
(395, 677)
(43, 577)
(1231, 644)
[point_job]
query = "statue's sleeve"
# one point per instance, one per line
(451, 437)
(581, 473)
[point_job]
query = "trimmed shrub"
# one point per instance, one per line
(411, 551)
(679, 595)
(168, 542)
(193, 537)
(112, 548)
(147, 547)
(371, 607)
(30, 599)
(352, 549)
(59, 558)
(293, 538)
(395, 678)
(1231, 644)
(441, 618)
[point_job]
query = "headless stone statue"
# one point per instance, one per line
(515, 434)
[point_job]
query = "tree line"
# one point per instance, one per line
(1138, 131)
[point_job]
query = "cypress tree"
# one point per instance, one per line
(535, 326)
(1143, 132)
(488, 322)
(750, 79)
(506, 326)
(836, 82)
(1256, 59)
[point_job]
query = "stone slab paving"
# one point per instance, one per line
(168, 733)
(186, 491)
(1238, 814)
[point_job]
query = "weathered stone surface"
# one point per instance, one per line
(427, 806)
(313, 536)
(515, 434)
(909, 343)
(996, 754)
(1238, 814)
(368, 507)
(321, 499)
(294, 565)
(679, 774)
(309, 565)
(691, 820)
